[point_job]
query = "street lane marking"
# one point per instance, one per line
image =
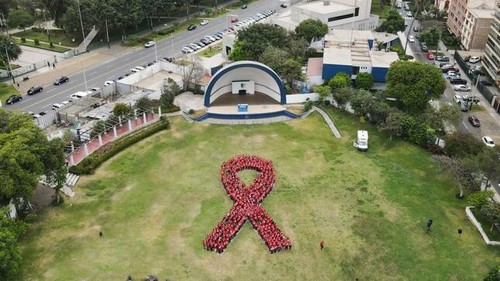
(467, 128)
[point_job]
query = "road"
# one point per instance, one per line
(96, 75)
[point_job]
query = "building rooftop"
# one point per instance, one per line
(383, 59)
(320, 8)
(344, 35)
(336, 55)
(482, 13)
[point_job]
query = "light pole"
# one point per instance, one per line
(156, 54)
(107, 32)
(83, 34)
(9, 67)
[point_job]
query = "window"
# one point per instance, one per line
(346, 16)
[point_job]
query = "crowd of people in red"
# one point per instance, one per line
(247, 205)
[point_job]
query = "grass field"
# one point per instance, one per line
(157, 201)
(377, 10)
(6, 91)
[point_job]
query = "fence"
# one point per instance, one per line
(473, 77)
(28, 68)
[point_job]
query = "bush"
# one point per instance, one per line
(494, 274)
(37, 42)
(23, 39)
(308, 105)
(480, 198)
(92, 162)
(51, 45)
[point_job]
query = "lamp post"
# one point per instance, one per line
(107, 32)
(9, 67)
(83, 34)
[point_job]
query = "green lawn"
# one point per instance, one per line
(211, 50)
(157, 201)
(42, 45)
(64, 38)
(377, 10)
(6, 91)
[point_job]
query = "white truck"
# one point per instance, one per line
(361, 142)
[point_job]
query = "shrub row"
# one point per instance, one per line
(92, 162)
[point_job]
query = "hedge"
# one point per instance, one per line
(101, 155)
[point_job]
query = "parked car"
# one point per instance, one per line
(204, 22)
(409, 14)
(244, 6)
(458, 80)
(488, 141)
(457, 98)
(411, 39)
(186, 50)
(424, 48)
(283, 5)
(61, 80)
(57, 106)
(473, 99)
(452, 74)
(13, 99)
(109, 82)
(192, 27)
(398, 5)
(149, 44)
(474, 121)
(430, 56)
(194, 46)
(205, 41)
(474, 59)
(35, 89)
(234, 19)
(461, 88)
(443, 58)
(448, 69)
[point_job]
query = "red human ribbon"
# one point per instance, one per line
(247, 205)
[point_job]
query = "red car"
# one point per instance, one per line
(234, 19)
(430, 56)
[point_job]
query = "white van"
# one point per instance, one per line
(79, 95)
(361, 142)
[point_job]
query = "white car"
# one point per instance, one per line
(489, 142)
(457, 98)
(109, 82)
(57, 106)
(186, 50)
(474, 59)
(461, 88)
(411, 39)
(204, 22)
(194, 46)
(453, 74)
(409, 14)
(149, 44)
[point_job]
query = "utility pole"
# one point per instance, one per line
(107, 32)
(9, 66)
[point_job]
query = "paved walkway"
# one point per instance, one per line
(328, 120)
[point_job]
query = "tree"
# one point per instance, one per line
(364, 81)
(290, 71)
(323, 91)
(311, 28)
(362, 102)
(393, 124)
(22, 149)
(393, 23)
(462, 145)
(20, 18)
(447, 114)
(340, 80)
(430, 36)
(10, 257)
(57, 8)
(453, 166)
(55, 169)
(7, 43)
(257, 37)
(414, 84)
(193, 72)
(144, 103)
(122, 109)
(342, 96)
(169, 90)
(486, 161)
(237, 53)
(491, 210)
(273, 57)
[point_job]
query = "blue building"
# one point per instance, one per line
(352, 52)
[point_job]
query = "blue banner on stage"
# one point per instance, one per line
(242, 107)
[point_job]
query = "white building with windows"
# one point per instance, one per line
(338, 14)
